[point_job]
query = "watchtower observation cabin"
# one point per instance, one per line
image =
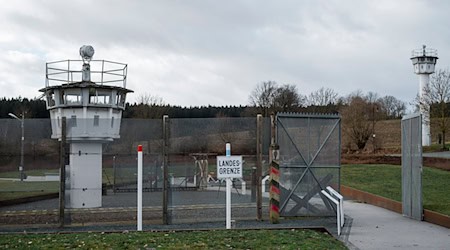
(424, 62)
(91, 100)
(91, 95)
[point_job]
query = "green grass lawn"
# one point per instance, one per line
(385, 180)
(20, 189)
(220, 239)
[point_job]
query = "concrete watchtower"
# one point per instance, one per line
(424, 61)
(92, 101)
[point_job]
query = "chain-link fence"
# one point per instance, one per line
(179, 179)
(193, 192)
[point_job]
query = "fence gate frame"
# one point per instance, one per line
(319, 184)
(412, 165)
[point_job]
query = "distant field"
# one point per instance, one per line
(389, 136)
(215, 239)
(385, 180)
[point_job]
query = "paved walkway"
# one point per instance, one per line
(377, 228)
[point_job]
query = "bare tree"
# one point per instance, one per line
(392, 107)
(322, 97)
(436, 97)
(148, 99)
(287, 98)
(359, 117)
(150, 107)
(263, 96)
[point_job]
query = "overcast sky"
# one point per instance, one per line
(196, 53)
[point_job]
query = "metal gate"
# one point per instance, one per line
(412, 166)
(310, 146)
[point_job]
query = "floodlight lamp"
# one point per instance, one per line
(86, 53)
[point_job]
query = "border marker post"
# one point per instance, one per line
(139, 189)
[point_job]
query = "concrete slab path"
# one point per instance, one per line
(378, 228)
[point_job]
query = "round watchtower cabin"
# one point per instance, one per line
(424, 61)
(91, 95)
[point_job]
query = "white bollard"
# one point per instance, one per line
(244, 188)
(139, 189)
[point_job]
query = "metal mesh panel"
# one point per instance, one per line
(40, 164)
(195, 193)
(309, 161)
(412, 166)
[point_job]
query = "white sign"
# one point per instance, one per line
(229, 166)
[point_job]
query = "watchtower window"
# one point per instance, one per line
(50, 98)
(120, 100)
(99, 97)
(73, 99)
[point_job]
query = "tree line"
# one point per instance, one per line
(359, 111)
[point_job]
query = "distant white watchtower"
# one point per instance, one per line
(92, 101)
(424, 61)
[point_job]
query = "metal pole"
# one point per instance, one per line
(228, 203)
(272, 134)
(62, 170)
(22, 121)
(258, 178)
(228, 192)
(165, 170)
(114, 174)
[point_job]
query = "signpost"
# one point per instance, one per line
(229, 167)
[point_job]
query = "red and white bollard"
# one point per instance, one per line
(139, 189)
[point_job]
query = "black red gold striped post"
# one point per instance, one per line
(274, 182)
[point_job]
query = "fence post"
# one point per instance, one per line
(272, 134)
(259, 139)
(165, 150)
(274, 203)
(62, 172)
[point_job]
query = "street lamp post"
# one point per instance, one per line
(22, 142)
